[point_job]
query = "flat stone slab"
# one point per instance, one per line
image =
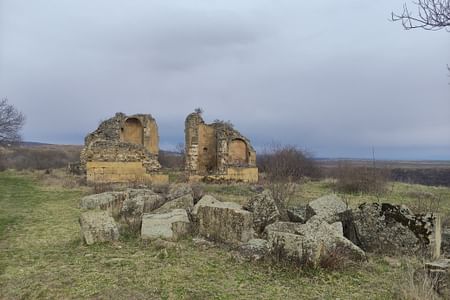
(172, 225)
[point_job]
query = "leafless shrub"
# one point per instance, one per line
(334, 259)
(369, 180)
(287, 162)
(423, 201)
(285, 167)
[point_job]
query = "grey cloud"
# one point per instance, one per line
(334, 77)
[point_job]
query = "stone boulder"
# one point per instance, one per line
(185, 202)
(297, 214)
(254, 249)
(172, 225)
(445, 245)
(309, 243)
(178, 190)
(328, 208)
(109, 201)
(394, 229)
(264, 210)
(439, 274)
(98, 226)
(224, 222)
(132, 210)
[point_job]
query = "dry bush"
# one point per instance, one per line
(336, 259)
(287, 162)
(285, 167)
(360, 179)
(424, 202)
(37, 158)
(417, 285)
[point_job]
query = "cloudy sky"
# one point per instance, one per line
(334, 77)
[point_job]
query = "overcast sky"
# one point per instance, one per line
(334, 77)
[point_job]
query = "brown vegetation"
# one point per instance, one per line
(38, 157)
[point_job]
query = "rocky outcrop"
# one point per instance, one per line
(264, 210)
(308, 244)
(172, 225)
(224, 222)
(98, 226)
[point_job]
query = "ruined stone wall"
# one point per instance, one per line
(218, 149)
(121, 139)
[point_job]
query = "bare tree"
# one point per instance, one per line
(431, 15)
(11, 122)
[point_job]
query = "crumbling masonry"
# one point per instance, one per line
(217, 152)
(123, 149)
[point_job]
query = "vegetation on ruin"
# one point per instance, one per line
(42, 255)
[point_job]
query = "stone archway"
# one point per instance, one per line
(133, 131)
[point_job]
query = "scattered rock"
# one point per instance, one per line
(186, 202)
(395, 230)
(162, 244)
(264, 210)
(178, 190)
(224, 222)
(338, 227)
(308, 244)
(254, 249)
(98, 226)
(172, 225)
(327, 208)
(439, 274)
(297, 214)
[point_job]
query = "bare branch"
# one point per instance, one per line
(431, 15)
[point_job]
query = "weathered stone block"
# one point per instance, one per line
(109, 201)
(327, 208)
(224, 222)
(264, 210)
(309, 243)
(98, 226)
(172, 225)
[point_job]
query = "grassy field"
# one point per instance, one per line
(42, 256)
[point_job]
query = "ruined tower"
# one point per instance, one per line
(218, 152)
(123, 149)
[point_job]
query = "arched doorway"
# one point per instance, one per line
(133, 132)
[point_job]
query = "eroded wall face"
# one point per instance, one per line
(237, 152)
(207, 162)
(133, 131)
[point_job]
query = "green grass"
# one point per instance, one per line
(42, 256)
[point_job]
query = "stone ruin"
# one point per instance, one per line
(217, 152)
(123, 149)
